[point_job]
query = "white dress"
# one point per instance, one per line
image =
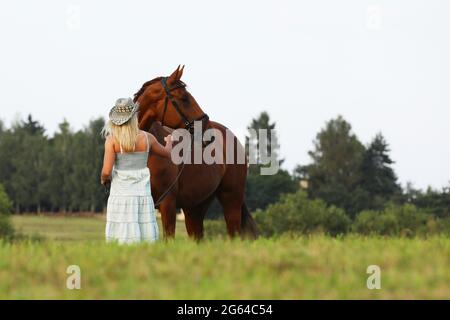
(130, 214)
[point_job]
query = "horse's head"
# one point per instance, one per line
(166, 99)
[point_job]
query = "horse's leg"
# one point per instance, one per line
(231, 196)
(232, 204)
(193, 218)
(168, 215)
(194, 223)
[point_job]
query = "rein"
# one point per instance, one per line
(188, 125)
(165, 193)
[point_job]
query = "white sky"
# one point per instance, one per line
(383, 65)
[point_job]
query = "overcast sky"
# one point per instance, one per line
(383, 65)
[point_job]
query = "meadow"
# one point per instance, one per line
(66, 228)
(287, 267)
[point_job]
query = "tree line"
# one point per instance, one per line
(351, 186)
(60, 173)
(53, 174)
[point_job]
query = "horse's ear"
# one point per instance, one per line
(180, 73)
(174, 76)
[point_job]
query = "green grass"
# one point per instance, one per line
(317, 267)
(69, 228)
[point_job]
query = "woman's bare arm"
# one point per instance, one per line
(108, 161)
(157, 148)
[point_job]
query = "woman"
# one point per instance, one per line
(130, 215)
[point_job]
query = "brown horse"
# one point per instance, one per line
(192, 187)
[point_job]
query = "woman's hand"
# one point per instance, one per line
(163, 151)
(106, 185)
(169, 142)
(105, 181)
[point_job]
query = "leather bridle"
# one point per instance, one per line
(188, 124)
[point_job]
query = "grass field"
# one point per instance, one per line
(70, 228)
(317, 267)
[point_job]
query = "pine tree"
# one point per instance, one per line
(335, 172)
(7, 154)
(262, 122)
(263, 190)
(58, 158)
(77, 179)
(379, 179)
(28, 144)
(6, 228)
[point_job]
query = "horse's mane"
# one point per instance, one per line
(144, 86)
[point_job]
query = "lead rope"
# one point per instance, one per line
(161, 198)
(165, 193)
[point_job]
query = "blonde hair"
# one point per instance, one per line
(125, 134)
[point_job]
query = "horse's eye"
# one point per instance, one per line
(185, 98)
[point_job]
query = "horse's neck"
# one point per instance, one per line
(194, 105)
(167, 129)
(160, 131)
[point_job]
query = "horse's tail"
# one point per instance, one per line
(248, 225)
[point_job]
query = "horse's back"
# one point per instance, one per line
(198, 181)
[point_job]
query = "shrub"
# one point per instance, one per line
(295, 213)
(6, 229)
(214, 228)
(374, 222)
(404, 220)
(262, 190)
(443, 225)
(336, 221)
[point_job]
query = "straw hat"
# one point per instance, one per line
(122, 111)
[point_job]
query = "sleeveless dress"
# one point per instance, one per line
(130, 213)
